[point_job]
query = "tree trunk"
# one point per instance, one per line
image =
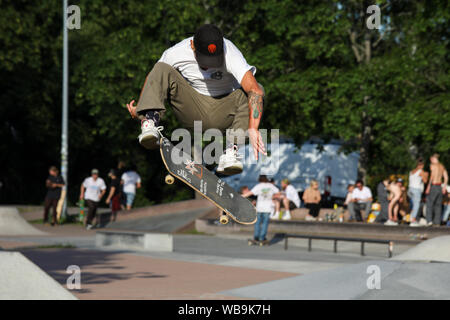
(366, 132)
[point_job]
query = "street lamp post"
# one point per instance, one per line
(65, 108)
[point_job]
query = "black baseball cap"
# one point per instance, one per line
(208, 43)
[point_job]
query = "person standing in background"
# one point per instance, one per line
(383, 196)
(312, 198)
(264, 191)
(121, 168)
(130, 181)
(113, 199)
(437, 186)
(418, 177)
(92, 190)
(54, 184)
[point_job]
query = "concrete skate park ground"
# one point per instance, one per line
(225, 267)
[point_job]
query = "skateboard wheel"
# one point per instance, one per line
(224, 219)
(169, 179)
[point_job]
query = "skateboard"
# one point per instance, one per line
(207, 184)
(60, 204)
(81, 208)
(253, 242)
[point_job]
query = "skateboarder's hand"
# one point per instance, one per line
(132, 109)
(256, 142)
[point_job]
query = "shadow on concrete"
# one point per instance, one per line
(55, 262)
(277, 237)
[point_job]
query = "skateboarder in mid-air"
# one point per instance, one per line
(205, 78)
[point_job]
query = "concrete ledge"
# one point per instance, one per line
(141, 241)
(436, 249)
(347, 229)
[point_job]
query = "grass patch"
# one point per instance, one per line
(68, 220)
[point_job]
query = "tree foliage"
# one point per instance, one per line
(325, 74)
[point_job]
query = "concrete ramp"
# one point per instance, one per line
(436, 249)
(20, 279)
(164, 223)
(397, 280)
(12, 224)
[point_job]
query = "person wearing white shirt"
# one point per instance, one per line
(264, 191)
(205, 78)
(130, 181)
(288, 197)
(92, 190)
(362, 197)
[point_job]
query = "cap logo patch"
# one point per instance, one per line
(212, 48)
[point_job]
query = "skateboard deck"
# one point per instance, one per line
(207, 184)
(81, 208)
(60, 204)
(253, 242)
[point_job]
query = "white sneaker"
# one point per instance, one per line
(89, 227)
(391, 223)
(149, 138)
(429, 224)
(229, 163)
(287, 216)
(274, 215)
(414, 224)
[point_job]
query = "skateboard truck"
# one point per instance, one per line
(169, 179)
(224, 218)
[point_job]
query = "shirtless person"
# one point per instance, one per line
(435, 190)
(395, 194)
(205, 78)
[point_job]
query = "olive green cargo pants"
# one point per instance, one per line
(164, 83)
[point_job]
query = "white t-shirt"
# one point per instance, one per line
(264, 191)
(292, 195)
(415, 180)
(361, 194)
(214, 81)
(130, 178)
(93, 188)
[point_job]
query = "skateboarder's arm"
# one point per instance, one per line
(255, 103)
(247, 194)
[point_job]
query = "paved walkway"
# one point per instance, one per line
(118, 275)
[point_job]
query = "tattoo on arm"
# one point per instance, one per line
(256, 104)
